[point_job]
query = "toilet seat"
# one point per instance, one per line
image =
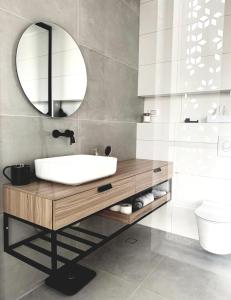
(215, 211)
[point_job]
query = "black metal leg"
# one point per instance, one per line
(70, 277)
(54, 251)
(6, 231)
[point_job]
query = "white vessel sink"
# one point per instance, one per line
(75, 169)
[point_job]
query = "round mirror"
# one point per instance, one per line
(51, 70)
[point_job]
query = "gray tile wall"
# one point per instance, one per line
(107, 32)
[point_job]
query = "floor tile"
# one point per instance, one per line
(104, 287)
(143, 294)
(129, 256)
(179, 281)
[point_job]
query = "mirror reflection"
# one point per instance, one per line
(51, 70)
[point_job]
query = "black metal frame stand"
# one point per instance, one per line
(70, 277)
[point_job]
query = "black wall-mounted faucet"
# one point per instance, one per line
(67, 133)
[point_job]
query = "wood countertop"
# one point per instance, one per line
(56, 191)
(54, 205)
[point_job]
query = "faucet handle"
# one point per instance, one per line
(67, 133)
(107, 151)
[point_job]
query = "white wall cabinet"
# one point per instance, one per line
(184, 47)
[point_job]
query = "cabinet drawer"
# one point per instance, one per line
(154, 177)
(76, 207)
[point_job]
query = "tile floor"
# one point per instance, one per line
(157, 266)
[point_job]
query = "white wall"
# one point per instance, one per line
(184, 46)
(201, 169)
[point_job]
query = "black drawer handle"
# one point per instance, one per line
(104, 188)
(157, 170)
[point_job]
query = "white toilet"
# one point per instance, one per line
(214, 226)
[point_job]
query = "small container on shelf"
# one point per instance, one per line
(147, 117)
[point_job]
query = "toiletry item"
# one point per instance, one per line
(154, 113)
(187, 120)
(107, 151)
(126, 208)
(146, 117)
(95, 151)
(137, 204)
(115, 207)
(19, 174)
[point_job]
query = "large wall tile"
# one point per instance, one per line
(133, 4)
(201, 160)
(120, 86)
(106, 97)
(61, 12)
(23, 139)
(198, 133)
(160, 219)
(148, 16)
(226, 37)
(98, 134)
(156, 150)
(227, 7)
(225, 71)
(189, 191)
(157, 15)
(184, 222)
(110, 27)
(156, 131)
(12, 99)
(93, 106)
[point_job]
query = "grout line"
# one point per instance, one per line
(180, 60)
(107, 121)
(145, 1)
(15, 15)
(79, 42)
(142, 281)
(155, 292)
(176, 141)
(34, 116)
(128, 6)
(78, 120)
(37, 286)
(84, 44)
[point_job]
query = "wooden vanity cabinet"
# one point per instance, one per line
(55, 206)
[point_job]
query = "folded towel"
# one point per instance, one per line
(137, 204)
(158, 194)
(165, 186)
(146, 199)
